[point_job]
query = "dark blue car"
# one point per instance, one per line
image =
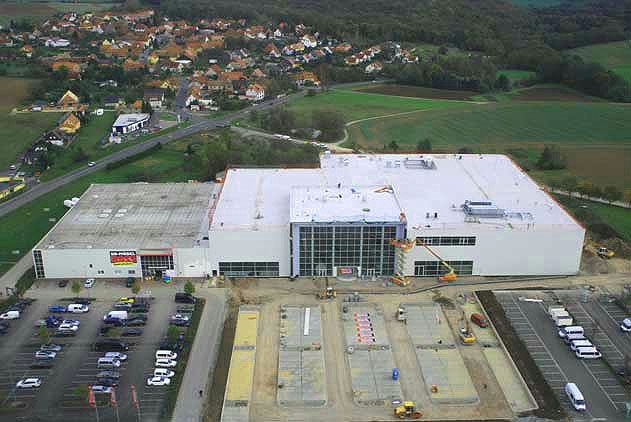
(57, 309)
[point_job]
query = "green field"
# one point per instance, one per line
(615, 56)
(18, 131)
(516, 76)
(618, 218)
(358, 105)
(39, 10)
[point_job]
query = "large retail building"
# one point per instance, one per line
(481, 214)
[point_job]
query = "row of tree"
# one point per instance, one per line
(585, 188)
(329, 122)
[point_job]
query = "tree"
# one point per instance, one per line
(172, 334)
(424, 145)
(589, 189)
(82, 391)
(281, 120)
(44, 335)
(551, 158)
(627, 196)
(393, 146)
(611, 194)
(189, 288)
(76, 287)
(330, 122)
(135, 288)
(569, 183)
(465, 150)
(146, 107)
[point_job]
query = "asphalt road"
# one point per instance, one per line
(43, 188)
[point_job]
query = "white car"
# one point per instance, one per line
(165, 363)
(28, 383)
(68, 327)
(10, 315)
(89, 283)
(45, 355)
(71, 322)
(101, 389)
(163, 372)
(116, 355)
(158, 381)
(166, 354)
(626, 325)
(91, 164)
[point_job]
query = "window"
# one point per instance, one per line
(131, 272)
(446, 241)
(435, 268)
(152, 264)
(100, 272)
(118, 272)
(249, 269)
(321, 248)
(39, 264)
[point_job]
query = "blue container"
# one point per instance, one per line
(395, 374)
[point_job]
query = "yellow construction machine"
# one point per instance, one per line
(603, 252)
(407, 410)
(449, 275)
(329, 293)
(466, 335)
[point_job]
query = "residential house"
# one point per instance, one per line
(68, 100)
(155, 98)
(69, 123)
(130, 65)
(272, 51)
(112, 101)
(374, 67)
(255, 92)
(127, 123)
(57, 43)
(57, 137)
(219, 86)
(27, 50)
(305, 78)
(309, 41)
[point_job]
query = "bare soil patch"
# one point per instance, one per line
(417, 92)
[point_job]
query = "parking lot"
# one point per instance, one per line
(604, 394)
(76, 365)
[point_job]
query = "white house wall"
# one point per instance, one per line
(191, 262)
(270, 245)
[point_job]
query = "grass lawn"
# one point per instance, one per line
(23, 228)
(19, 131)
(357, 105)
(414, 91)
(614, 55)
(88, 140)
(516, 75)
(35, 11)
(616, 217)
(168, 117)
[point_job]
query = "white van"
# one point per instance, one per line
(559, 313)
(78, 308)
(575, 344)
(116, 314)
(573, 336)
(564, 321)
(108, 363)
(575, 396)
(166, 354)
(10, 315)
(572, 329)
(588, 353)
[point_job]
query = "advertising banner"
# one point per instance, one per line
(123, 258)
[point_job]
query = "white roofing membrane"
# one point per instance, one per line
(256, 198)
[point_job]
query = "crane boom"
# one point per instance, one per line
(449, 276)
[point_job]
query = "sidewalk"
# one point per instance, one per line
(201, 362)
(589, 198)
(11, 277)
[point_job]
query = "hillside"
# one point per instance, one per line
(615, 56)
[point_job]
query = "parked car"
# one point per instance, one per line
(479, 320)
(107, 382)
(62, 283)
(101, 389)
(68, 327)
(83, 300)
(89, 283)
(139, 310)
(65, 333)
(109, 374)
(176, 346)
(184, 298)
(136, 322)
(71, 322)
(10, 315)
(4, 329)
(180, 317)
(114, 321)
(29, 383)
(158, 381)
(110, 345)
(143, 304)
(91, 164)
(131, 332)
(130, 282)
(122, 306)
(116, 355)
(165, 363)
(163, 372)
(45, 355)
(57, 309)
(625, 325)
(126, 299)
(50, 347)
(78, 308)
(180, 323)
(166, 354)
(41, 364)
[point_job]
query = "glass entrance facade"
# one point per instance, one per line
(321, 248)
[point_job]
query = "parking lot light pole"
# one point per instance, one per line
(134, 401)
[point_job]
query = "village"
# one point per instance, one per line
(134, 64)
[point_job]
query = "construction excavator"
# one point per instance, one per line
(407, 244)
(407, 410)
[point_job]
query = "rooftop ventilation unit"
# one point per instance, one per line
(423, 163)
(483, 209)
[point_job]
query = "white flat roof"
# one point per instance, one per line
(135, 216)
(128, 119)
(343, 204)
(257, 198)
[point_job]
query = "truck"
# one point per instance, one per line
(122, 315)
(555, 309)
(560, 314)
